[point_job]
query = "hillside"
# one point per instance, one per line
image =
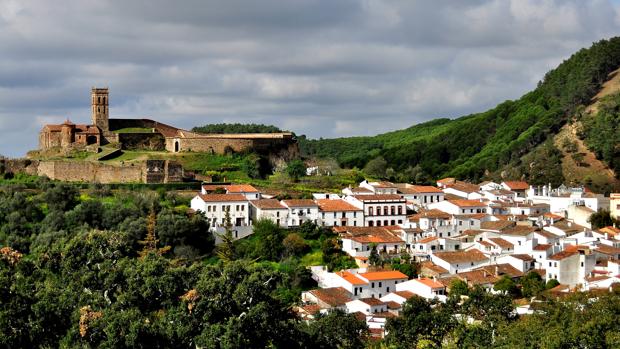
(513, 139)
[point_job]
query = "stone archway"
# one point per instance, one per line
(91, 140)
(176, 146)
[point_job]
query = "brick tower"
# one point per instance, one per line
(99, 106)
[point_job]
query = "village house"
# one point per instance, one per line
(570, 266)
(358, 241)
(216, 207)
(373, 284)
(424, 287)
(463, 190)
(328, 298)
(337, 212)
(380, 209)
(459, 261)
(518, 187)
(270, 209)
(420, 195)
(246, 190)
(460, 206)
(301, 210)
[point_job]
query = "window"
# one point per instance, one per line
(400, 210)
(308, 211)
(385, 211)
(372, 285)
(277, 213)
(370, 211)
(388, 289)
(385, 222)
(334, 215)
(371, 223)
(380, 285)
(400, 221)
(354, 214)
(393, 222)
(393, 210)
(378, 223)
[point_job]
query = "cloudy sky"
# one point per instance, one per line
(323, 68)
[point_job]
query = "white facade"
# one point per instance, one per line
(380, 210)
(460, 206)
(269, 209)
(300, 211)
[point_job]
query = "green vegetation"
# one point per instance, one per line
(236, 128)
(482, 145)
(134, 130)
(602, 132)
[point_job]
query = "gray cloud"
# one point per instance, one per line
(317, 67)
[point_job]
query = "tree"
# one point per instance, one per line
(600, 219)
(419, 323)
(551, 283)
(226, 250)
(376, 167)
(296, 169)
(507, 286)
(150, 241)
(532, 284)
(269, 240)
(374, 259)
(458, 288)
(337, 329)
(294, 245)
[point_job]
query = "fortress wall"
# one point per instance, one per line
(73, 171)
(26, 166)
(210, 145)
(142, 141)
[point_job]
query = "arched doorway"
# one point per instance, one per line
(91, 140)
(176, 146)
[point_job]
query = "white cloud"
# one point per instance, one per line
(318, 67)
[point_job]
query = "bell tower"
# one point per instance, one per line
(99, 108)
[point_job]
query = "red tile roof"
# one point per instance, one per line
(384, 275)
(337, 205)
(429, 282)
(222, 197)
(379, 197)
(517, 185)
(268, 204)
(334, 296)
(241, 188)
(452, 257)
(467, 203)
(299, 203)
(351, 278)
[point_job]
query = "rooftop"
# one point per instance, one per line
(267, 204)
(299, 203)
(384, 275)
(337, 205)
(334, 296)
(452, 257)
(222, 197)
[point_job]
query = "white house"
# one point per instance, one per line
(215, 206)
(465, 190)
(459, 261)
(301, 210)
(424, 287)
(460, 206)
(367, 306)
(246, 190)
(338, 212)
(381, 209)
(371, 284)
(518, 187)
(270, 209)
(357, 241)
(571, 266)
(420, 195)
(379, 188)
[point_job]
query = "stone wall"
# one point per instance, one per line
(142, 141)
(75, 171)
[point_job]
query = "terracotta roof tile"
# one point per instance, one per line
(222, 197)
(452, 257)
(467, 203)
(502, 243)
(299, 203)
(351, 278)
(334, 296)
(380, 197)
(517, 185)
(337, 205)
(384, 275)
(429, 282)
(268, 204)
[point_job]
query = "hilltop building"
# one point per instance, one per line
(146, 134)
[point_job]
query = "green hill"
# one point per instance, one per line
(513, 139)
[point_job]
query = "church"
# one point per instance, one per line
(146, 134)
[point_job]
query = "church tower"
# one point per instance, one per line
(99, 108)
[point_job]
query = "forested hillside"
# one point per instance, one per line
(236, 128)
(513, 137)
